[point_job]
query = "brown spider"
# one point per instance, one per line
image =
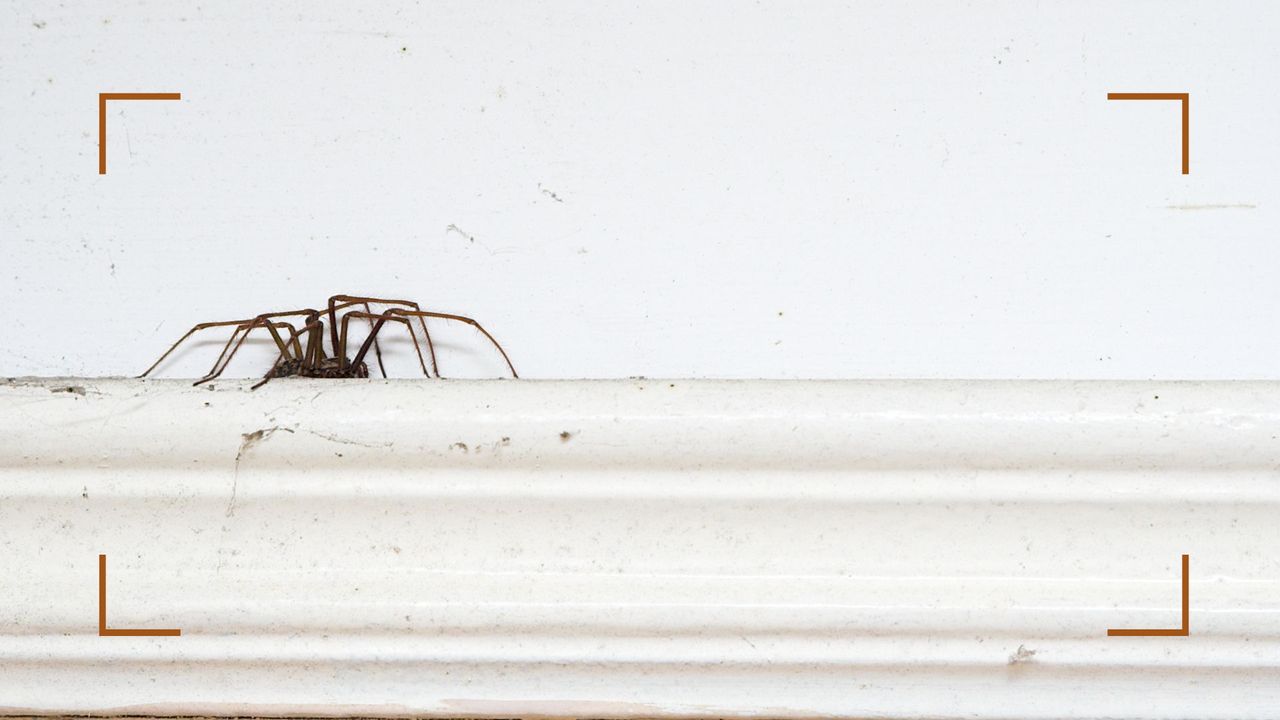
(311, 359)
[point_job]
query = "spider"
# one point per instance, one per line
(302, 349)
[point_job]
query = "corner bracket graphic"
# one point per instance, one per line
(102, 118)
(1183, 631)
(1186, 117)
(103, 630)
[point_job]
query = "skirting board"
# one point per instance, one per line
(641, 548)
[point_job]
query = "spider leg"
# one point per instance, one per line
(347, 300)
(342, 302)
(224, 323)
(293, 337)
(242, 328)
(312, 329)
(459, 318)
(263, 320)
(377, 351)
(239, 329)
(377, 321)
(315, 342)
(224, 359)
(192, 331)
(260, 321)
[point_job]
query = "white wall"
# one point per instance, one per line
(740, 189)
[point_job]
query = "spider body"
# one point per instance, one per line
(303, 351)
(327, 368)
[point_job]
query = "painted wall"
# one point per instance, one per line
(710, 189)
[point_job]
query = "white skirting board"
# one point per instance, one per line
(641, 548)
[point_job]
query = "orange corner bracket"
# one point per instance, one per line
(103, 630)
(1186, 117)
(102, 118)
(1183, 631)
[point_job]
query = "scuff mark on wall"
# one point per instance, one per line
(248, 442)
(550, 193)
(1022, 655)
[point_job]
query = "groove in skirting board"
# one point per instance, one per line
(640, 548)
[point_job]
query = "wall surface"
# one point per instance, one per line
(704, 189)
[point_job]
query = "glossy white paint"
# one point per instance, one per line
(643, 548)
